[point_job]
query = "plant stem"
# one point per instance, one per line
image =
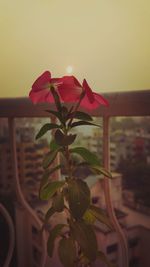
(68, 161)
(77, 106)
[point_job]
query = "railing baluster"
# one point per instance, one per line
(123, 243)
(19, 194)
(11, 235)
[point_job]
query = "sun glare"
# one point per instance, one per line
(69, 69)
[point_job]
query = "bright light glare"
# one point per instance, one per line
(69, 69)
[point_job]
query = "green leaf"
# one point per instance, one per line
(88, 156)
(82, 123)
(89, 217)
(82, 116)
(63, 140)
(65, 193)
(46, 127)
(104, 259)
(56, 114)
(55, 232)
(54, 145)
(64, 111)
(78, 197)
(101, 216)
(49, 213)
(85, 236)
(46, 175)
(101, 170)
(84, 260)
(50, 189)
(58, 202)
(44, 179)
(67, 252)
(49, 158)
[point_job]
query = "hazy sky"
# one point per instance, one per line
(106, 41)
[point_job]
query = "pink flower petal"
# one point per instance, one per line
(101, 99)
(41, 96)
(85, 103)
(88, 91)
(41, 81)
(70, 89)
(92, 100)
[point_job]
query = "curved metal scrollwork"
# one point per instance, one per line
(109, 206)
(19, 193)
(11, 235)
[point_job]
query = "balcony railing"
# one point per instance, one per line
(135, 103)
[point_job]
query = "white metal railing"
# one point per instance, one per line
(135, 103)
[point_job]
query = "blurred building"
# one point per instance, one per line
(136, 228)
(136, 225)
(28, 238)
(30, 158)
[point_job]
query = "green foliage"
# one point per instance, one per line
(65, 112)
(81, 116)
(58, 202)
(54, 233)
(85, 236)
(54, 145)
(49, 213)
(67, 252)
(100, 170)
(47, 174)
(89, 217)
(88, 156)
(46, 127)
(78, 197)
(57, 100)
(64, 140)
(82, 123)
(98, 214)
(49, 158)
(50, 189)
(77, 244)
(56, 114)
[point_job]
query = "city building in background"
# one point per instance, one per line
(130, 165)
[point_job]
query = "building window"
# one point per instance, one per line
(134, 262)
(133, 242)
(112, 248)
(27, 166)
(95, 200)
(34, 230)
(36, 255)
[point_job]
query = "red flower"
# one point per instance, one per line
(40, 91)
(91, 99)
(69, 90)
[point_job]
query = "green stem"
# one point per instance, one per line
(57, 99)
(68, 161)
(76, 108)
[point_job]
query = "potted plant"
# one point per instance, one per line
(77, 243)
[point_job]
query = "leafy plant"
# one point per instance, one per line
(71, 195)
